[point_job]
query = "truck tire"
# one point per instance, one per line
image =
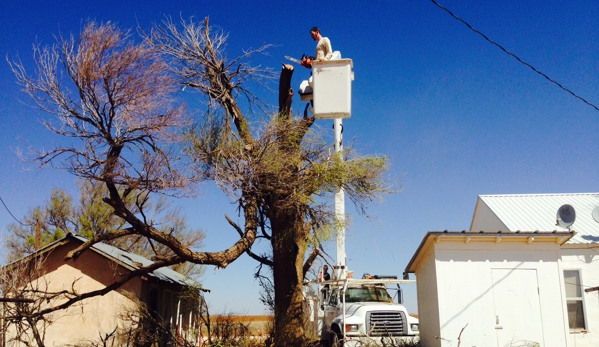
(335, 339)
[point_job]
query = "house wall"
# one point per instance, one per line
(95, 317)
(428, 309)
(485, 219)
(467, 295)
(91, 265)
(586, 260)
(91, 318)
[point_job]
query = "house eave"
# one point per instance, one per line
(432, 237)
(39, 252)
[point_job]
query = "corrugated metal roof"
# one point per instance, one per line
(532, 212)
(137, 261)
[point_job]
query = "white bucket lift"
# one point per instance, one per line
(329, 87)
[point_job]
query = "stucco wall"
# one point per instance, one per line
(91, 264)
(86, 321)
(91, 318)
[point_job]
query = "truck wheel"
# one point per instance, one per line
(336, 340)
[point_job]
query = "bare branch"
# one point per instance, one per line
(263, 260)
(309, 261)
(197, 56)
(117, 97)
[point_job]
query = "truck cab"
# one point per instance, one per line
(362, 312)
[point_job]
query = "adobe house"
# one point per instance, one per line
(161, 290)
(516, 276)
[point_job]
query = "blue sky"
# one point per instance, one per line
(456, 116)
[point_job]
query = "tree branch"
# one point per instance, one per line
(285, 91)
(308, 264)
(263, 260)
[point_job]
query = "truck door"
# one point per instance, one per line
(331, 310)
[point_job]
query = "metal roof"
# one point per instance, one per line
(126, 259)
(135, 262)
(531, 212)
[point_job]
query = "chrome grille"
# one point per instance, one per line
(386, 323)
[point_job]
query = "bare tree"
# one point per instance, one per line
(116, 102)
(116, 105)
(275, 172)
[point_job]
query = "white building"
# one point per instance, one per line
(514, 279)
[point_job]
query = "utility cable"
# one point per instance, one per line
(13, 216)
(514, 56)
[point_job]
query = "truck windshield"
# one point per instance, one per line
(371, 294)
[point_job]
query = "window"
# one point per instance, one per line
(333, 299)
(574, 300)
(153, 300)
(369, 294)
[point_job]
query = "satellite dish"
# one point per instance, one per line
(565, 216)
(596, 214)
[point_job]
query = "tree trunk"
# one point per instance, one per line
(289, 248)
(285, 91)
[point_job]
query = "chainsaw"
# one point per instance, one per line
(306, 63)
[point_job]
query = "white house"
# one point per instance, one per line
(515, 279)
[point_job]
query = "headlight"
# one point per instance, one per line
(414, 327)
(351, 328)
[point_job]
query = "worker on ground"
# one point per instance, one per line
(324, 50)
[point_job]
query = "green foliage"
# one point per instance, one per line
(92, 216)
(95, 216)
(54, 220)
(295, 164)
(360, 177)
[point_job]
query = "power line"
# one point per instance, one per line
(514, 56)
(15, 218)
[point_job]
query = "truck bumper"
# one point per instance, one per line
(363, 341)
